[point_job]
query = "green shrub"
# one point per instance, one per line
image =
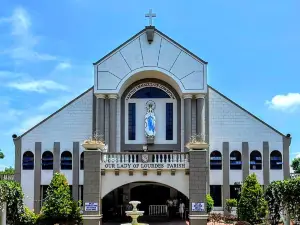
(59, 207)
(209, 203)
(11, 193)
(230, 203)
(28, 217)
(252, 206)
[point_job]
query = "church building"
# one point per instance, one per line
(149, 129)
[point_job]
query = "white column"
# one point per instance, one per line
(200, 120)
(3, 214)
(112, 122)
(187, 118)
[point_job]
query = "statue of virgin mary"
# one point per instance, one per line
(150, 119)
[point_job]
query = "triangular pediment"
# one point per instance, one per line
(162, 54)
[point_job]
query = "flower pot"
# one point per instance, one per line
(93, 145)
(197, 146)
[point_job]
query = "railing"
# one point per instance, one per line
(7, 176)
(154, 157)
(294, 175)
(157, 210)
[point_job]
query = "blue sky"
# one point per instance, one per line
(47, 49)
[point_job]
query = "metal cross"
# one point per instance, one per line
(150, 15)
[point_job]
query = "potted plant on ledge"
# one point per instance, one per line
(197, 142)
(94, 143)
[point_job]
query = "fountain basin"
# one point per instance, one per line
(134, 214)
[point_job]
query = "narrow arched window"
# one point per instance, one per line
(275, 160)
(82, 161)
(28, 161)
(216, 160)
(235, 160)
(47, 160)
(66, 160)
(255, 160)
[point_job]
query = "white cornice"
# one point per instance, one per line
(113, 96)
(92, 217)
(100, 95)
(200, 96)
(198, 217)
(185, 96)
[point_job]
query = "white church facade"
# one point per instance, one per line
(149, 98)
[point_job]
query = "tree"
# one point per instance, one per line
(252, 206)
(296, 165)
(8, 170)
(59, 206)
(11, 193)
(1, 154)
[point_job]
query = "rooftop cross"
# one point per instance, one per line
(150, 15)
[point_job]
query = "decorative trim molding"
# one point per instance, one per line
(100, 96)
(187, 96)
(198, 217)
(150, 84)
(92, 217)
(199, 96)
(114, 96)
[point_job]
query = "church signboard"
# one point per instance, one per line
(126, 165)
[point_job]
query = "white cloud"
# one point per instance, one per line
(63, 66)
(25, 40)
(29, 123)
(288, 102)
(40, 86)
(54, 104)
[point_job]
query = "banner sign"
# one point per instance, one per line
(145, 166)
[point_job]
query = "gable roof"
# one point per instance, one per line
(160, 33)
(47, 118)
(246, 111)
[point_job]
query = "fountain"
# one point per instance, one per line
(134, 214)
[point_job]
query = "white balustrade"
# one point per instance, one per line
(157, 210)
(153, 157)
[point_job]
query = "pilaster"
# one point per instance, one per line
(56, 157)
(266, 163)
(112, 122)
(245, 160)
(100, 114)
(286, 155)
(198, 185)
(226, 187)
(187, 118)
(18, 158)
(92, 186)
(200, 121)
(76, 161)
(37, 176)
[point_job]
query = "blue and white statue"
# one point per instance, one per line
(150, 120)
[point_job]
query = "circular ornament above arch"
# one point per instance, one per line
(150, 84)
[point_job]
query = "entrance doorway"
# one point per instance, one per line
(153, 197)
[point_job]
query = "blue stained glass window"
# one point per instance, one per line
(255, 160)
(215, 160)
(275, 160)
(150, 92)
(28, 161)
(47, 160)
(169, 121)
(131, 121)
(66, 160)
(235, 160)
